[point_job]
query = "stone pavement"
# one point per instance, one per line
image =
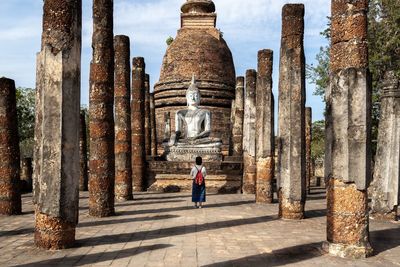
(165, 230)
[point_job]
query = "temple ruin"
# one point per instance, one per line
(101, 112)
(348, 139)
(123, 132)
(291, 129)
(143, 145)
(56, 171)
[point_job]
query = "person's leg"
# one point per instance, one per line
(195, 204)
(200, 204)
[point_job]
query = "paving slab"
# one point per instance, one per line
(166, 230)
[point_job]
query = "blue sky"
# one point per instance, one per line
(248, 26)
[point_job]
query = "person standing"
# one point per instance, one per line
(198, 174)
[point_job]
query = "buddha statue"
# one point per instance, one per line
(193, 127)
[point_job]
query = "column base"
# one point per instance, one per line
(265, 174)
(10, 208)
(100, 213)
(264, 193)
(347, 251)
(53, 233)
(390, 216)
(290, 210)
(249, 189)
(123, 198)
(122, 193)
(249, 174)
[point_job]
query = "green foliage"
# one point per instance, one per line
(319, 74)
(26, 119)
(383, 38)
(384, 54)
(169, 40)
(318, 140)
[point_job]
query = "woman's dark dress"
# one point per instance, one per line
(199, 191)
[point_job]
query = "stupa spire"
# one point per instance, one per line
(198, 14)
(198, 6)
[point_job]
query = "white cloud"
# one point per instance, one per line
(247, 25)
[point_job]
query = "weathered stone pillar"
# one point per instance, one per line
(123, 133)
(167, 128)
(385, 186)
(308, 148)
(153, 126)
(348, 139)
(56, 151)
(84, 175)
(26, 173)
(101, 161)
(138, 121)
(10, 196)
(147, 129)
(292, 193)
(265, 136)
(232, 120)
(249, 134)
(238, 113)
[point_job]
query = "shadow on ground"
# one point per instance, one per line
(383, 240)
(315, 213)
(172, 231)
(138, 202)
(98, 222)
(80, 260)
(279, 257)
(181, 208)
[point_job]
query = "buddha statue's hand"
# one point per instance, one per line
(203, 134)
(174, 138)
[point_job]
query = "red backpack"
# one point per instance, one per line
(199, 177)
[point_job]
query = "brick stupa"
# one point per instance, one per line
(198, 49)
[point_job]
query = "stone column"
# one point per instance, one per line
(26, 174)
(308, 148)
(249, 134)
(10, 196)
(123, 133)
(101, 112)
(348, 138)
(56, 150)
(84, 179)
(232, 122)
(167, 128)
(292, 193)
(265, 136)
(385, 186)
(147, 129)
(153, 126)
(138, 120)
(238, 111)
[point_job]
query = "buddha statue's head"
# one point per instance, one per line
(193, 94)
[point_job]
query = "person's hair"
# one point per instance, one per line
(199, 160)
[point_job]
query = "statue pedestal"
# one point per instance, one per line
(187, 152)
(173, 176)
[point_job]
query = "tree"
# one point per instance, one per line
(26, 119)
(319, 74)
(318, 140)
(384, 49)
(384, 54)
(383, 38)
(169, 40)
